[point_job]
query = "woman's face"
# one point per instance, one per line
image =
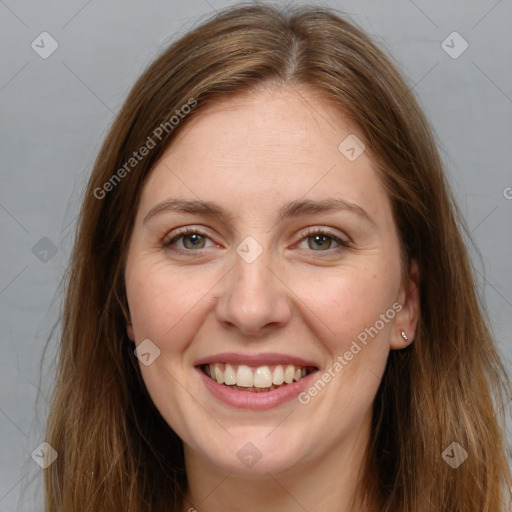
(290, 269)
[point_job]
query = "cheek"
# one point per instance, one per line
(167, 306)
(352, 314)
(351, 300)
(162, 299)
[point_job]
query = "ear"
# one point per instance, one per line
(129, 330)
(407, 318)
(127, 317)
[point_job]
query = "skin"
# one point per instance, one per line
(251, 155)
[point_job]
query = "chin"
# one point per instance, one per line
(254, 453)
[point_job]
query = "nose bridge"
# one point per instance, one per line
(253, 297)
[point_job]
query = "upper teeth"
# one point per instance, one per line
(260, 377)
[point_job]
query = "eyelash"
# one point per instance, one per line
(308, 232)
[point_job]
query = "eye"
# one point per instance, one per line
(321, 240)
(195, 240)
(191, 239)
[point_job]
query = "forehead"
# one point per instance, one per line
(265, 123)
(264, 148)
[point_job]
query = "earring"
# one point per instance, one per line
(404, 336)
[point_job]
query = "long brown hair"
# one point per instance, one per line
(115, 451)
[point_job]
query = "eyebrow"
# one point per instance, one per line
(293, 209)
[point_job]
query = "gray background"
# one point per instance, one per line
(55, 113)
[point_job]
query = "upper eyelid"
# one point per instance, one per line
(311, 230)
(184, 231)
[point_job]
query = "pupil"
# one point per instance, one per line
(194, 238)
(321, 241)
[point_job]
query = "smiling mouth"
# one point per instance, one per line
(259, 379)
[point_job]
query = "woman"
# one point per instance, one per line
(270, 305)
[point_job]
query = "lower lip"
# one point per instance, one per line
(255, 400)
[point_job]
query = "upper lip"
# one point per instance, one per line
(254, 359)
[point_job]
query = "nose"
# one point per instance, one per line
(253, 298)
